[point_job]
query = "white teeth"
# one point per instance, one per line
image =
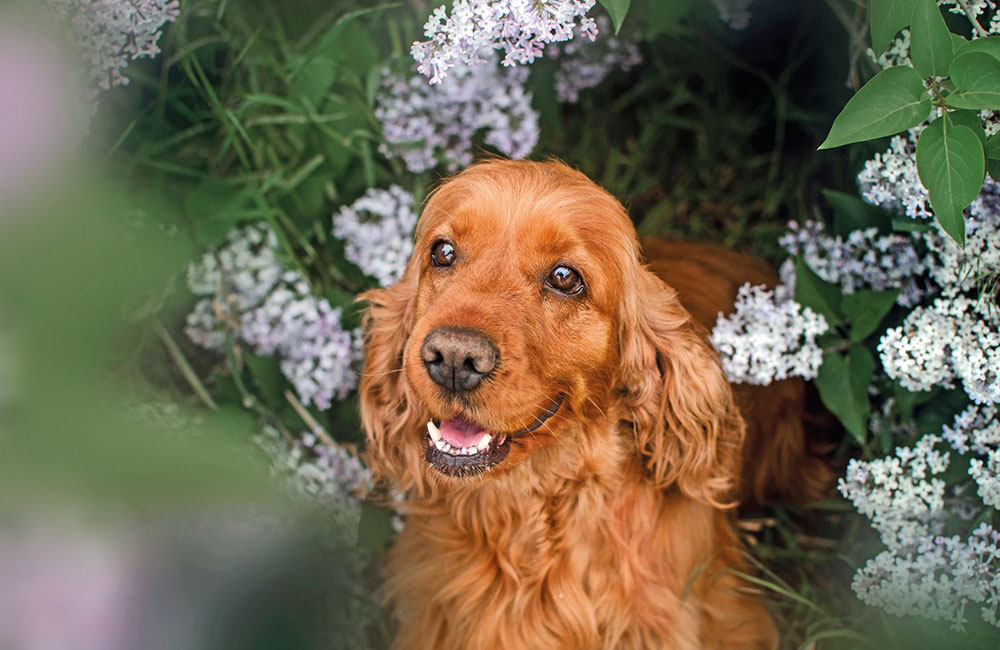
(445, 446)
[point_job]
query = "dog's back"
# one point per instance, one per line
(780, 462)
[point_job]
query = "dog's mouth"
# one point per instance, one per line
(460, 447)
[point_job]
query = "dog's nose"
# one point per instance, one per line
(458, 359)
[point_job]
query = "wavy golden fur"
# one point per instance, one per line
(609, 526)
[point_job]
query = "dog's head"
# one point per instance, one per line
(524, 312)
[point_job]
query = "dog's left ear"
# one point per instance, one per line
(389, 416)
(676, 397)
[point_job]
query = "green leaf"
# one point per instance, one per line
(664, 16)
(887, 17)
(989, 45)
(866, 309)
(930, 41)
(375, 528)
(976, 76)
(816, 293)
(952, 166)
(993, 146)
(617, 9)
(843, 382)
(893, 101)
(972, 120)
(850, 213)
(266, 372)
(912, 225)
(993, 156)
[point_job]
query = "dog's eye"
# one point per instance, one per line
(565, 280)
(442, 254)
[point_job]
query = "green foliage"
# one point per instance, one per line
(887, 18)
(952, 165)
(959, 74)
(617, 9)
(894, 100)
(976, 76)
(843, 382)
(930, 41)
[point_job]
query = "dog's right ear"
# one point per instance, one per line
(389, 417)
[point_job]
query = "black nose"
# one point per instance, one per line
(458, 359)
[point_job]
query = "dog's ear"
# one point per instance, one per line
(389, 417)
(675, 395)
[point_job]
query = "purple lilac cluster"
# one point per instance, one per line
(428, 126)
(582, 66)
(521, 28)
(255, 299)
(377, 230)
(863, 260)
(112, 33)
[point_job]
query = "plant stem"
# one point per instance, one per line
(964, 4)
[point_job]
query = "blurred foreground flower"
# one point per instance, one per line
(111, 33)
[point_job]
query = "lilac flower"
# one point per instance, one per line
(768, 337)
(316, 467)
(953, 340)
(735, 13)
(269, 307)
(429, 126)
(521, 28)
(582, 66)
(864, 260)
(377, 230)
(111, 33)
(922, 571)
(890, 180)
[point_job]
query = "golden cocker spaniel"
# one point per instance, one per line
(568, 445)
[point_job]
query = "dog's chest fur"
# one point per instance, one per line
(543, 562)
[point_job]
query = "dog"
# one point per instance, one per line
(567, 443)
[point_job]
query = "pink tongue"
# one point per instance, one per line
(461, 433)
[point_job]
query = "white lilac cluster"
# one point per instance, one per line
(430, 126)
(112, 33)
(953, 340)
(977, 430)
(259, 301)
(521, 28)
(864, 260)
(316, 467)
(890, 181)
(582, 66)
(937, 579)
(922, 571)
(960, 269)
(957, 337)
(903, 494)
(768, 337)
(377, 230)
(735, 13)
